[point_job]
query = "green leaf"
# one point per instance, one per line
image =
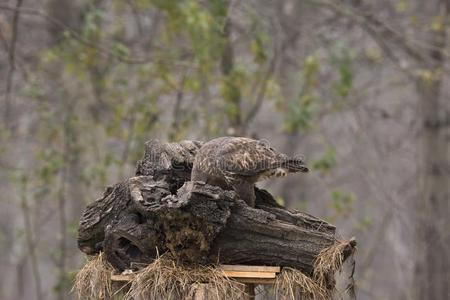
(310, 70)
(258, 50)
(343, 62)
(120, 50)
(327, 162)
(342, 201)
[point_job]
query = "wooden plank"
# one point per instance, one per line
(239, 274)
(244, 274)
(120, 277)
(250, 268)
(129, 277)
(233, 274)
(257, 280)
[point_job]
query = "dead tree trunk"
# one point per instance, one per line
(160, 211)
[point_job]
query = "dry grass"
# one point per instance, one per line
(164, 279)
(93, 281)
(328, 262)
(293, 284)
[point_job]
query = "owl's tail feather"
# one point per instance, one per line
(295, 165)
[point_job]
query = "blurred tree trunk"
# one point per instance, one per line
(232, 91)
(12, 65)
(291, 14)
(432, 265)
(70, 192)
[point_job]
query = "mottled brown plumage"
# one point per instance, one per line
(237, 163)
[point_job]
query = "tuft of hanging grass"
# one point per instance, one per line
(330, 260)
(293, 284)
(93, 281)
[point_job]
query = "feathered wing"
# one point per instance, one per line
(237, 163)
(247, 157)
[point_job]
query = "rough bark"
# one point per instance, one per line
(146, 215)
(170, 162)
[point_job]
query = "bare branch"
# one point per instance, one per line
(379, 30)
(102, 50)
(265, 80)
(177, 108)
(30, 240)
(262, 90)
(11, 58)
(62, 201)
(227, 64)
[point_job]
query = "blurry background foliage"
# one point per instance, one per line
(356, 86)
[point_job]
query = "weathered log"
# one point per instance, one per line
(161, 211)
(169, 162)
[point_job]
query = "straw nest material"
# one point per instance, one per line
(164, 278)
(293, 284)
(93, 281)
(330, 260)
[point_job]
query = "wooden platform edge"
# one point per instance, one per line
(129, 277)
(241, 273)
(120, 277)
(245, 268)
